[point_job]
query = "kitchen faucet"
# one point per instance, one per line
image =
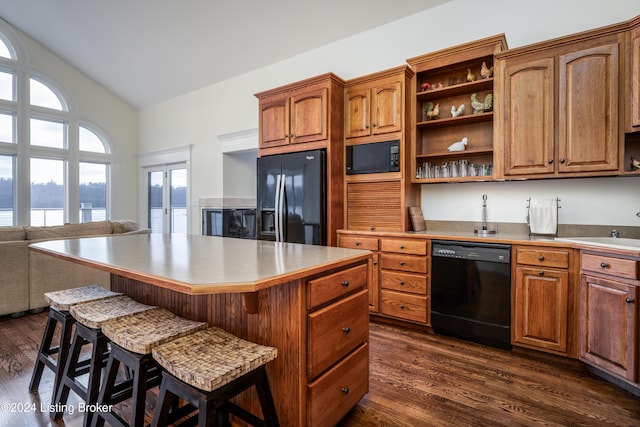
(615, 233)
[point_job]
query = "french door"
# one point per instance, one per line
(167, 198)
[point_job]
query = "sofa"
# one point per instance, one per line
(26, 275)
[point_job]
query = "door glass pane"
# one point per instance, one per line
(6, 86)
(47, 192)
(6, 190)
(43, 96)
(89, 141)
(7, 127)
(178, 200)
(46, 133)
(155, 179)
(93, 192)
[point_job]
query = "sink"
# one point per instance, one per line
(607, 242)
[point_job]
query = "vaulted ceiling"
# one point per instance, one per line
(146, 51)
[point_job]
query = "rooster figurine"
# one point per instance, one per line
(635, 164)
(455, 112)
(431, 110)
(470, 76)
(485, 71)
(481, 107)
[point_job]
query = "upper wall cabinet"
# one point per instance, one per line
(373, 108)
(634, 102)
(301, 116)
(560, 113)
(453, 98)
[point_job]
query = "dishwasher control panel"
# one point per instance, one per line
(490, 252)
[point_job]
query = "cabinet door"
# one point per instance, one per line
(608, 321)
(375, 206)
(274, 122)
(386, 108)
(635, 79)
(529, 118)
(541, 305)
(588, 110)
(374, 285)
(309, 111)
(356, 110)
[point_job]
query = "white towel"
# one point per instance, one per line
(543, 216)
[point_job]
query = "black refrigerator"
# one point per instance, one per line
(291, 198)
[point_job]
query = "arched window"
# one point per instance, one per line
(43, 142)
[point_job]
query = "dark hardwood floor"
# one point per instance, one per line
(416, 379)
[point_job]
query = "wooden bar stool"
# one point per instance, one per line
(59, 304)
(207, 369)
(132, 339)
(89, 318)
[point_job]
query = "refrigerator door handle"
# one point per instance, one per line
(280, 209)
(277, 208)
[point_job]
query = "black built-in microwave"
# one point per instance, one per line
(375, 157)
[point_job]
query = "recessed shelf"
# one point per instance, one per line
(455, 121)
(455, 90)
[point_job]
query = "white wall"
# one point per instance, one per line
(92, 103)
(196, 118)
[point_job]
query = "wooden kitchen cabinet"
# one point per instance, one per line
(561, 106)
(374, 107)
(542, 315)
(634, 92)
(441, 80)
(375, 206)
(305, 115)
(371, 244)
(609, 314)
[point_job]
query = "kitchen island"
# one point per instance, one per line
(310, 302)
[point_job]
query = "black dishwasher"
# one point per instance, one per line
(471, 291)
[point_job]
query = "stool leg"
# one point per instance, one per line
(266, 399)
(163, 404)
(62, 395)
(45, 346)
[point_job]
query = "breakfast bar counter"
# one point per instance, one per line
(310, 302)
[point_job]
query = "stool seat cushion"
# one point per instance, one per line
(143, 331)
(211, 358)
(65, 299)
(93, 314)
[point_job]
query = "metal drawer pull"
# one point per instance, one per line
(345, 390)
(401, 246)
(345, 283)
(629, 300)
(346, 329)
(540, 273)
(401, 282)
(401, 262)
(401, 306)
(357, 243)
(604, 265)
(541, 258)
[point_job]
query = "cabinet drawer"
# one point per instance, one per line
(332, 395)
(404, 306)
(404, 282)
(627, 268)
(332, 286)
(414, 247)
(410, 263)
(359, 242)
(336, 330)
(543, 257)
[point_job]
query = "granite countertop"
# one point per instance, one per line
(197, 264)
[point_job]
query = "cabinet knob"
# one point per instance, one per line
(562, 160)
(345, 390)
(604, 265)
(357, 243)
(550, 161)
(373, 125)
(629, 300)
(541, 258)
(345, 283)
(540, 273)
(401, 282)
(401, 246)
(401, 306)
(346, 330)
(401, 262)
(372, 228)
(366, 126)
(375, 263)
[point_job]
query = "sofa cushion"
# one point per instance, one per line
(8, 234)
(69, 230)
(124, 226)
